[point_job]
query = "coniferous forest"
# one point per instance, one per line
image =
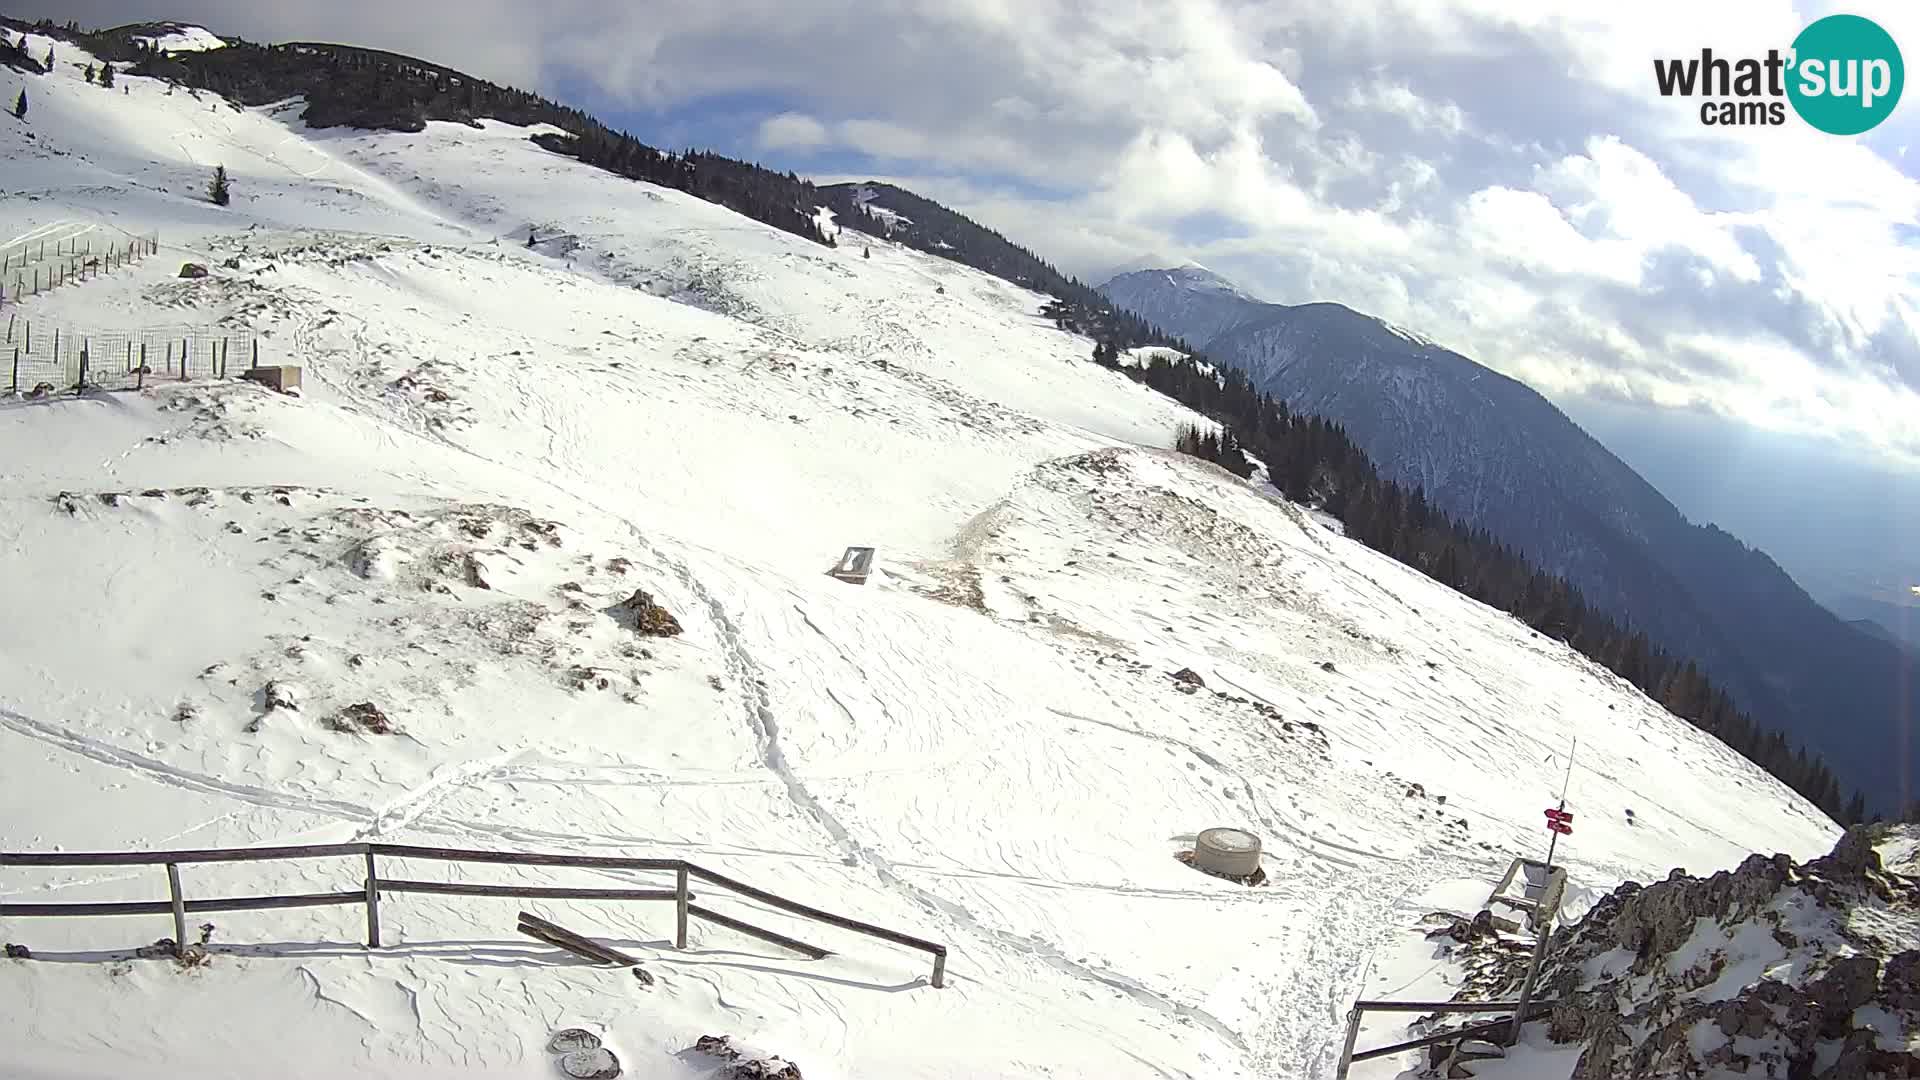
(1309, 459)
(369, 88)
(1313, 462)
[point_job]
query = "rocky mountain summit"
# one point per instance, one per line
(1773, 969)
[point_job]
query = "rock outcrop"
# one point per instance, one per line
(1771, 970)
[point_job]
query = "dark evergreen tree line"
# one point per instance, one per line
(927, 226)
(1312, 461)
(370, 88)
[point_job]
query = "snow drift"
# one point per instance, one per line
(984, 745)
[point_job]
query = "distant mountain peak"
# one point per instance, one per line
(1185, 275)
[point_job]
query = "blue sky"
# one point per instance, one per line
(1502, 177)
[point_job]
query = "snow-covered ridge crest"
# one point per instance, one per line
(998, 742)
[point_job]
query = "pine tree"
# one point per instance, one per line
(20, 105)
(217, 190)
(89, 73)
(49, 63)
(106, 76)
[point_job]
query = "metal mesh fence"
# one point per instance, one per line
(37, 357)
(31, 267)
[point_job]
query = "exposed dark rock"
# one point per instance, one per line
(1663, 1010)
(193, 270)
(280, 695)
(18, 952)
(364, 717)
(572, 1040)
(741, 1067)
(649, 618)
(1189, 677)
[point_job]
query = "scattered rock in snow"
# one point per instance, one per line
(186, 712)
(588, 678)
(282, 695)
(1327, 665)
(597, 1064)
(572, 1041)
(648, 617)
(19, 952)
(643, 976)
(1480, 927)
(743, 1066)
(1189, 677)
(363, 717)
(1672, 979)
(193, 270)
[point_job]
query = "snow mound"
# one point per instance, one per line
(395, 608)
(179, 37)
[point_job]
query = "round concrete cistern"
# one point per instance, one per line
(1233, 853)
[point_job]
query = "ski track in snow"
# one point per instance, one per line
(173, 776)
(366, 255)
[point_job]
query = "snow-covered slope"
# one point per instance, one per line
(1191, 301)
(173, 37)
(983, 745)
(1494, 453)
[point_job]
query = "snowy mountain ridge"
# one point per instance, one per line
(498, 444)
(1493, 452)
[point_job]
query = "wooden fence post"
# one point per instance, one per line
(179, 909)
(140, 380)
(256, 352)
(373, 903)
(939, 970)
(1353, 1035)
(16, 369)
(680, 907)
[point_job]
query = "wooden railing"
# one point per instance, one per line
(1522, 1011)
(374, 886)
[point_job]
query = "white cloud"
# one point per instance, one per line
(1500, 176)
(1399, 100)
(792, 131)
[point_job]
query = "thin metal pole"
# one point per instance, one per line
(373, 903)
(1353, 1034)
(179, 909)
(1554, 843)
(680, 908)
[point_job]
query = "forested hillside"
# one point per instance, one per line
(369, 88)
(1313, 462)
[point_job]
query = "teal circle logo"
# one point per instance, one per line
(1846, 74)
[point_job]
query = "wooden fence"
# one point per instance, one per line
(374, 887)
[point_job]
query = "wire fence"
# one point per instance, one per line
(38, 359)
(31, 267)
